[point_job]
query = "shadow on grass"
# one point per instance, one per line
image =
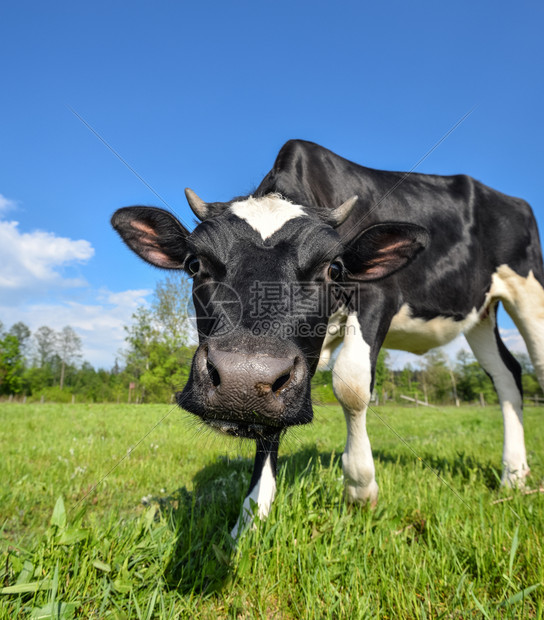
(463, 466)
(203, 518)
(203, 561)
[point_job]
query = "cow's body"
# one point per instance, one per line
(480, 247)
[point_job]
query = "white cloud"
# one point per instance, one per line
(127, 299)
(513, 340)
(31, 261)
(6, 204)
(35, 264)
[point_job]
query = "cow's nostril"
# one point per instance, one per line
(280, 382)
(213, 373)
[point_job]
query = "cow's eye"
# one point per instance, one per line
(335, 270)
(193, 265)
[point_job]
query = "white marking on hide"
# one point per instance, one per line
(417, 335)
(333, 337)
(351, 384)
(262, 494)
(523, 299)
(268, 214)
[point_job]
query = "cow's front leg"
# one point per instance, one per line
(262, 487)
(352, 384)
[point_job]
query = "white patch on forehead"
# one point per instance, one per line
(268, 214)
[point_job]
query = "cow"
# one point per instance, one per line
(328, 252)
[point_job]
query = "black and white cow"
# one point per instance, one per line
(406, 262)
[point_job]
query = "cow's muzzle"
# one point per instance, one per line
(248, 394)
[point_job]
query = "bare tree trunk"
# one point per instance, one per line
(454, 385)
(61, 385)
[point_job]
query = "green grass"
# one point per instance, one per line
(438, 545)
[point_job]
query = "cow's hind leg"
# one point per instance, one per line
(262, 487)
(523, 299)
(352, 379)
(505, 372)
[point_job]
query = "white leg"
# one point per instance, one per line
(259, 500)
(497, 361)
(351, 384)
(262, 488)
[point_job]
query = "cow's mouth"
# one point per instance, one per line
(244, 430)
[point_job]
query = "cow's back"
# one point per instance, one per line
(473, 228)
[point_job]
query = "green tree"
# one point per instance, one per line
(170, 308)
(23, 335)
(382, 371)
(531, 386)
(384, 378)
(437, 377)
(38, 378)
(46, 340)
(11, 364)
(407, 381)
(158, 356)
(141, 335)
(68, 345)
(472, 380)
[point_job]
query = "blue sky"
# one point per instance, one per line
(204, 94)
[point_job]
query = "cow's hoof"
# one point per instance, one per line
(364, 496)
(514, 478)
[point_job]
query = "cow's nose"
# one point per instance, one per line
(262, 373)
(241, 383)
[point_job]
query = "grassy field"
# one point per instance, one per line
(112, 511)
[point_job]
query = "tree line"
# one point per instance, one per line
(48, 364)
(155, 363)
(436, 380)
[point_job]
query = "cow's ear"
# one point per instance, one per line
(154, 234)
(383, 249)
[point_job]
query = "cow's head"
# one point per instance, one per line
(266, 273)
